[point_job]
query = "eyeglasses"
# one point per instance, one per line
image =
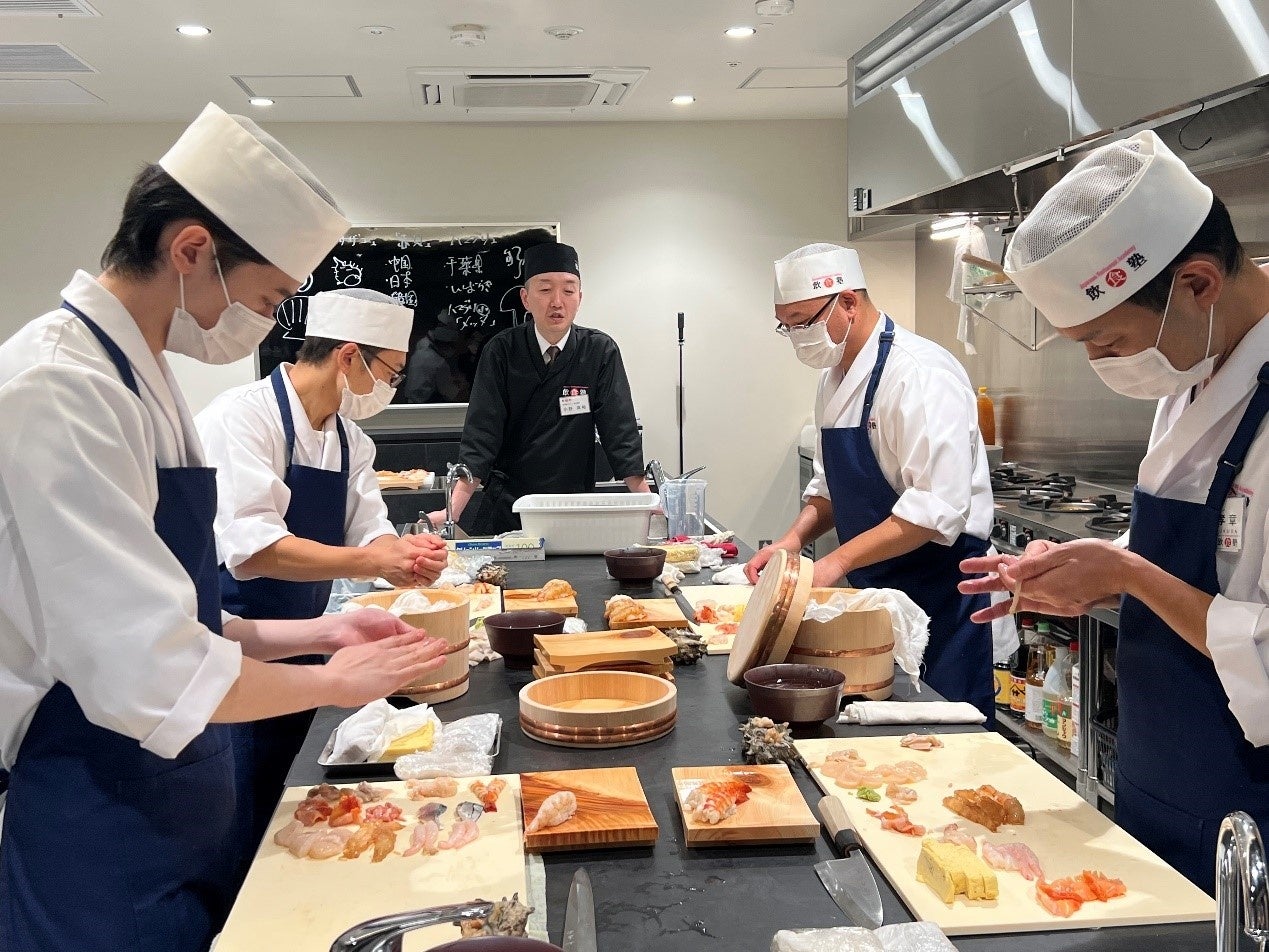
(822, 314)
(397, 375)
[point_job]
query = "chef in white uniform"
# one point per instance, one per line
(900, 466)
(299, 502)
(116, 685)
(1134, 257)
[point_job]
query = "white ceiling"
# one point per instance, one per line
(145, 71)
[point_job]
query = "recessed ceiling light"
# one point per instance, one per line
(261, 101)
(193, 29)
(739, 32)
(563, 32)
(376, 29)
(683, 99)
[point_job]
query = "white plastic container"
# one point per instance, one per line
(586, 523)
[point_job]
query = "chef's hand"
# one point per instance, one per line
(431, 557)
(1067, 579)
(362, 627)
(754, 567)
(438, 519)
(363, 673)
(395, 560)
(989, 567)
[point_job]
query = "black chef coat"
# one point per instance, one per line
(517, 441)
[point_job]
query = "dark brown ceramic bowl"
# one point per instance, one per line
(496, 944)
(511, 634)
(797, 693)
(635, 565)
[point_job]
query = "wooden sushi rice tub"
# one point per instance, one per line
(451, 623)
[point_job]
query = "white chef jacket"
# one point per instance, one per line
(926, 437)
(1185, 447)
(243, 438)
(89, 593)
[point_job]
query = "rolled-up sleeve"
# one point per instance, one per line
(1238, 639)
(252, 497)
(80, 499)
(932, 433)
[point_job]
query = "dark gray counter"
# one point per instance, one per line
(670, 897)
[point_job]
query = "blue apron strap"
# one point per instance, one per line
(883, 354)
(113, 350)
(284, 408)
(1236, 452)
(343, 444)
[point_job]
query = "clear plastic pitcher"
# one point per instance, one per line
(684, 504)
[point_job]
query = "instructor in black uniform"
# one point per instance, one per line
(541, 392)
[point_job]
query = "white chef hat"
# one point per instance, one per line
(362, 316)
(815, 271)
(1113, 223)
(262, 192)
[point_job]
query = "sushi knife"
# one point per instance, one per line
(579, 915)
(672, 589)
(849, 881)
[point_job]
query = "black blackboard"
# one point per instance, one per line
(463, 282)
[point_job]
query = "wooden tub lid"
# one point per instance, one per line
(772, 616)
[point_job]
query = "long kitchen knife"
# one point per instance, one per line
(672, 589)
(579, 915)
(849, 881)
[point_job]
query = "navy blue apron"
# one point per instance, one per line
(958, 657)
(265, 749)
(1183, 760)
(107, 846)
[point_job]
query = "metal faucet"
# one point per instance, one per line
(1240, 871)
(385, 933)
(455, 472)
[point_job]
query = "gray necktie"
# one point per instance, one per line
(551, 353)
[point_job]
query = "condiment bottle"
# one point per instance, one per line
(1036, 670)
(986, 417)
(1068, 717)
(1018, 677)
(1002, 671)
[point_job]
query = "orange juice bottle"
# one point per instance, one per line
(986, 417)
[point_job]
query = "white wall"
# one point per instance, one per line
(667, 217)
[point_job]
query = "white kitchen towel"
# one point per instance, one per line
(732, 575)
(872, 713)
(901, 937)
(971, 241)
(911, 623)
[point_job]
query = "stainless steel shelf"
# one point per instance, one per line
(1006, 288)
(1041, 743)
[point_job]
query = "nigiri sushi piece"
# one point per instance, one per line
(556, 809)
(1015, 856)
(460, 834)
(424, 839)
(440, 787)
(716, 800)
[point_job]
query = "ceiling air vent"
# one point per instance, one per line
(522, 92)
(46, 8)
(334, 86)
(40, 58)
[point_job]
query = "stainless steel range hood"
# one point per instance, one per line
(1042, 81)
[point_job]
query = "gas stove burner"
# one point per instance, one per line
(1008, 483)
(1111, 522)
(1044, 502)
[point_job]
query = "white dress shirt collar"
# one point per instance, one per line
(543, 343)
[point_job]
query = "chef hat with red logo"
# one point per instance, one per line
(1113, 223)
(815, 271)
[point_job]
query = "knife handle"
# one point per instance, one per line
(837, 821)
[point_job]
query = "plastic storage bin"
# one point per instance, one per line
(586, 523)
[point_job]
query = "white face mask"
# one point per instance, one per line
(1149, 375)
(815, 347)
(236, 334)
(359, 406)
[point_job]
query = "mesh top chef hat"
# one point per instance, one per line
(817, 270)
(262, 192)
(362, 316)
(1114, 222)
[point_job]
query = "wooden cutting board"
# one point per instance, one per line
(519, 599)
(662, 613)
(665, 671)
(774, 813)
(302, 905)
(1066, 834)
(482, 606)
(612, 809)
(723, 595)
(574, 652)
